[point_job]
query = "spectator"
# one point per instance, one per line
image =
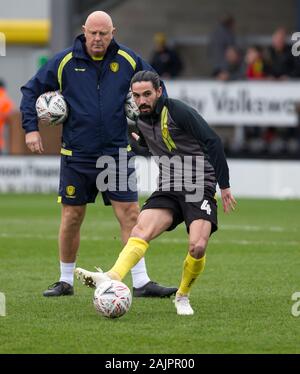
(281, 63)
(233, 68)
(222, 38)
(255, 65)
(165, 60)
(7, 114)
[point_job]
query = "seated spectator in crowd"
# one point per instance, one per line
(221, 38)
(165, 60)
(233, 68)
(255, 64)
(281, 63)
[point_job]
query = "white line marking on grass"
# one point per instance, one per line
(25, 220)
(160, 240)
(27, 236)
(113, 223)
(44, 221)
(51, 237)
(238, 242)
(258, 228)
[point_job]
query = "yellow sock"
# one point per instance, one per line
(130, 255)
(192, 267)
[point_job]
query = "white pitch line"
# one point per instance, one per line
(238, 242)
(259, 228)
(160, 240)
(54, 222)
(112, 223)
(27, 236)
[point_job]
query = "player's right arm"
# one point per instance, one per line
(44, 80)
(138, 137)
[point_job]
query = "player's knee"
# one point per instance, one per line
(133, 214)
(140, 231)
(73, 216)
(197, 249)
(129, 216)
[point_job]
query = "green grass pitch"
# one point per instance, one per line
(242, 301)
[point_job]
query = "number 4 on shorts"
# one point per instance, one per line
(205, 206)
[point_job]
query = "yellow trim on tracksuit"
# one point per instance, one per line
(61, 66)
(59, 199)
(165, 131)
(97, 58)
(128, 58)
(66, 152)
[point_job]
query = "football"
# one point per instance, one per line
(112, 299)
(131, 109)
(51, 108)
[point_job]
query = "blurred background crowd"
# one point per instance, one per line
(212, 40)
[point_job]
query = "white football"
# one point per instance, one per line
(51, 108)
(131, 109)
(112, 299)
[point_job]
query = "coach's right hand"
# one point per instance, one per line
(33, 141)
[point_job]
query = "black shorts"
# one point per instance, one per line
(188, 212)
(78, 182)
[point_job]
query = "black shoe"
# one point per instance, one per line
(152, 289)
(59, 289)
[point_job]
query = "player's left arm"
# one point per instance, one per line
(192, 122)
(228, 200)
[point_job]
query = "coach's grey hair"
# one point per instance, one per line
(146, 76)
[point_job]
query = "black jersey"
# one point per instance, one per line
(176, 129)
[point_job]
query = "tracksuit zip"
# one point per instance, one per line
(153, 128)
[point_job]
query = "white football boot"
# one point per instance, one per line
(182, 305)
(91, 278)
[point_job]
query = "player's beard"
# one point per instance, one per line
(144, 106)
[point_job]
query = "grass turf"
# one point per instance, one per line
(242, 302)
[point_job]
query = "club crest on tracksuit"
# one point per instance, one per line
(114, 67)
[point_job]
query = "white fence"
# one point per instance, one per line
(29, 174)
(259, 178)
(247, 103)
